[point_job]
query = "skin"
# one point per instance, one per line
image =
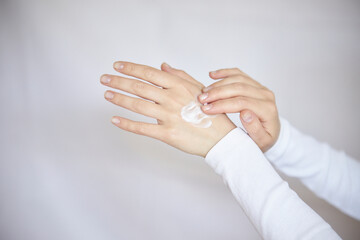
(162, 95)
(237, 92)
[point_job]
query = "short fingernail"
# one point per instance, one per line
(207, 107)
(207, 89)
(105, 79)
(115, 120)
(109, 95)
(247, 117)
(203, 96)
(213, 72)
(118, 66)
(167, 65)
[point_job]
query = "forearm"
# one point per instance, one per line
(330, 174)
(275, 210)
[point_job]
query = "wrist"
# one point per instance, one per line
(220, 130)
(280, 145)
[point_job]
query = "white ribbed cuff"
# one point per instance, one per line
(227, 146)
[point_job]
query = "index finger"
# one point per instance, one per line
(226, 72)
(150, 74)
(234, 79)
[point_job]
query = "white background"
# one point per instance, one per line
(67, 173)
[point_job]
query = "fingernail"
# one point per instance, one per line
(115, 120)
(203, 96)
(213, 72)
(207, 89)
(105, 79)
(167, 65)
(118, 66)
(247, 117)
(109, 95)
(207, 107)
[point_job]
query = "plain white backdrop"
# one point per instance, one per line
(67, 173)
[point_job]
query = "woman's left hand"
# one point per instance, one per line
(237, 92)
(165, 97)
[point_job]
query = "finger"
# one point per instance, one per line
(234, 79)
(232, 90)
(255, 129)
(150, 74)
(133, 86)
(141, 128)
(136, 105)
(226, 72)
(236, 105)
(180, 73)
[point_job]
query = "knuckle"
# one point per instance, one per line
(218, 92)
(256, 129)
(139, 128)
(166, 95)
(270, 94)
(148, 73)
(272, 108)
(240, 87)
(214, 92)
(138, 86)
(172, 134)
(240, 101)
(136, 106)
(130, 68)
(263, 140)
(273, 97)
(187, 88)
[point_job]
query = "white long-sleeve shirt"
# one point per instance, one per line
(275, 210)
(330, 174)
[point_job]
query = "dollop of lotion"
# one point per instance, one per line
(193, 114)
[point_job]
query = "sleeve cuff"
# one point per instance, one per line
(226, 146)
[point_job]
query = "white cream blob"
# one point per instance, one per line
(193, 114)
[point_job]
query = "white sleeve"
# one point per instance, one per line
(330, 174)
(274, 209)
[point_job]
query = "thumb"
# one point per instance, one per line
(255, 129)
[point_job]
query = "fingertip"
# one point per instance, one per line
(109, 95)
(212, 74)
(165, 65)
(207, 107)
(115, 120)
(202, 97)
(246, 116)
(105, 79)
(118, 66)
(103, 75)
(252, 124)
(206, 89)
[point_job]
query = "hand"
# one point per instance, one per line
(167, 95)
(239, 93)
